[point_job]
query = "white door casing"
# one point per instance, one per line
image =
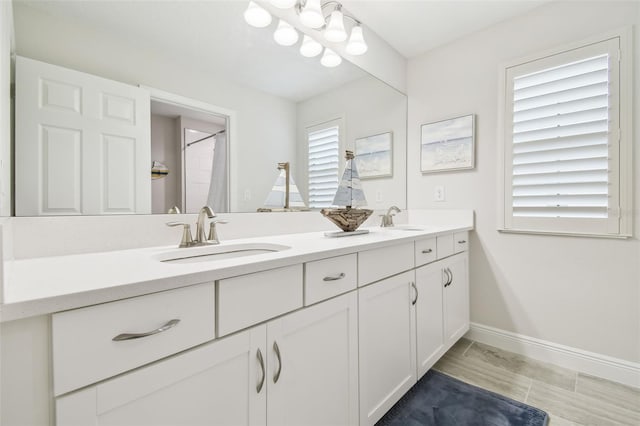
(82, 143)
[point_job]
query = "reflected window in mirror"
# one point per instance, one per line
(323, 141)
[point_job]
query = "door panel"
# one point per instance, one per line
(318, 382)
(457, 299)
(429, 316)
(387, 338)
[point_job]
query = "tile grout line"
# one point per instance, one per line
(526, 397)
(465, 351)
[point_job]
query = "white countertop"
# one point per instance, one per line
(50, 284)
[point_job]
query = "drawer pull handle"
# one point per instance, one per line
(130, 336)
(462, 241)
(276, 349)
(413, 302)
(335, 277)
(427, 251)
(264, 374)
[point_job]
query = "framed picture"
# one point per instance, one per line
(447, 145)
(374, 156)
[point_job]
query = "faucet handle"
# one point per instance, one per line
(213, 233)
(187, 239)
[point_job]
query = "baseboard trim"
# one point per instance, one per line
(617, 370)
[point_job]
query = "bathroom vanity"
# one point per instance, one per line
(316, 331)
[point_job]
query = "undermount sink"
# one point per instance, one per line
(217, 252)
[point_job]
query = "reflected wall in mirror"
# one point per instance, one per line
(205, 51)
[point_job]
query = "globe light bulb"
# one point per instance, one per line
(309, 47)
(356, 44)
(330, 58)
(257, 16)
(285, 34)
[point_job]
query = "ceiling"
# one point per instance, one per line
(413, 27)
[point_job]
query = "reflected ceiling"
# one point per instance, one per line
(214, 36)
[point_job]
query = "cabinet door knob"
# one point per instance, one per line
(427, 251)
(276, 349)
(340, 276)
(131, 336)
(462, 241)
(413, 302)
(264, 374)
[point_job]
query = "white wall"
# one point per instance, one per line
(6, 44)
(368, 107)
(266, 123)
(579, 292)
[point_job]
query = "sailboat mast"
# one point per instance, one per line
(285, 167)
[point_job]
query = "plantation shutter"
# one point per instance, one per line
(563, 125)
(324, 161)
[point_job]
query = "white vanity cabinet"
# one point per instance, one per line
(214, 384)
(334, 341)
(305, 361)
(387, 344)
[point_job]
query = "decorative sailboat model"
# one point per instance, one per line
(351, 196)
(284, 196)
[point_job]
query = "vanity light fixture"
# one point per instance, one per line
(330, 58)
(285, 34)
(256, 16)
(311, 15)
(309, 47)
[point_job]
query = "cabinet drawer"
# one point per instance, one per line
(461, 241)
(376, 264)
(250, 299)
(329, 277)
(425, 251)
(84, 351)
(444, 245)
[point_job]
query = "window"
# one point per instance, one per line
(324, 161)
(564, 171)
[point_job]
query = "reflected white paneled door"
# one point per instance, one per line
(387, 349)
(215, 384)
(82, 143)
(313, 365)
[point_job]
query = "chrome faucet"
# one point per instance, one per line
(387, 219)
(201, 238)
(205, 212)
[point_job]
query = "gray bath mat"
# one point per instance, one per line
(440, 400)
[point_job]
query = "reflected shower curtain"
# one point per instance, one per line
(217, 198)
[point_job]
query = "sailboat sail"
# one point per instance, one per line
(350, 191)
(276, 197)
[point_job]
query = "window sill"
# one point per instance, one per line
(565, 234)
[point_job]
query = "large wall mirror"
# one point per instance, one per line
(235, 105)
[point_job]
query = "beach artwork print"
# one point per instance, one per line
(447, 145)
(373, 156)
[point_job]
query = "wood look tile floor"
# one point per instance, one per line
(569, 397)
